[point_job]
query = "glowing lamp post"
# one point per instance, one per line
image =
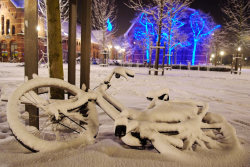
(239, 49)
(237, 61)
(222, 53)
(212, 57)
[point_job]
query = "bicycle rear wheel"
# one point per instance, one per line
(75, 127)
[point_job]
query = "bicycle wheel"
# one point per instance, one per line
(184, 127)
(76, 126)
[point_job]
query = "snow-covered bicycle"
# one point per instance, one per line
(173, 127)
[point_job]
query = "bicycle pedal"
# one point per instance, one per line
(120, 130)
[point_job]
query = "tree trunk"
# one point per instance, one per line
(31, 52)
(169, 42)
(55, 45)
(72, 42)
(157, 54)
(85, 42)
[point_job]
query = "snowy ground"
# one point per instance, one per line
(226, 94)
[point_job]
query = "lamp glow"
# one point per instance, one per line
(117, 47)
(38, 28)
(110, 46)
(222, 53)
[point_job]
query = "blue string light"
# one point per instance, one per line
(197, 24)
(109, 25)
(194, 26)
(145, 33)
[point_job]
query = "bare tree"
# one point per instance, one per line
(217, 44)
(103, 15)
(63, 5)
(169, 10)
(237, 22)
(64, 15)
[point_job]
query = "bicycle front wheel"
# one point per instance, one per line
(77, 126)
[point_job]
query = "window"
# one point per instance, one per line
(3, 49)
(2, 22)
(13, 49)
(3, 45)
(13, 30)
(7, 26)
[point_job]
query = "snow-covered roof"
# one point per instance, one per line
(97, 34)
(18, 3)
(65, 32)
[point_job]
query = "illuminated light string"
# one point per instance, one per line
(109, 25)
(195, 28)
(197, 24)
(175, 26)
(140, 34)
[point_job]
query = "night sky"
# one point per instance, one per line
(125, 15)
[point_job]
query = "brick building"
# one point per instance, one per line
(12, 34)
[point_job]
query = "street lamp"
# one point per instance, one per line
(237, 59)
(212, 57)
(221, 54)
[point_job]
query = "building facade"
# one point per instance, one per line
(12, 34)
(11, 31)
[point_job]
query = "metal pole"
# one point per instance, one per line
(31, 51)
(85, 43)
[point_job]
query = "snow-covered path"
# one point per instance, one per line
(226, 94)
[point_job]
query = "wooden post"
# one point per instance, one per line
(163, 60)
(236, 63)
(85, 43)
(55, 46)
(232, 64)
(72, 42)
(31, 51)
(150, 59)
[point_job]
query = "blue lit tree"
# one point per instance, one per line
(173, 34)
(144, 33)
(186, 33)
(162, 10)
(200, 31)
